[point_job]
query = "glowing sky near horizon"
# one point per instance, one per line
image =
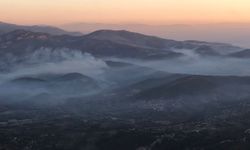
(124, 11)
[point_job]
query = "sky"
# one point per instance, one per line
(56, 12)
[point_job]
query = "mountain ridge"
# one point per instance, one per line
(8, 27)
(105, 43)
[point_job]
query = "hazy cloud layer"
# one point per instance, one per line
(192, 63)
(58, 61)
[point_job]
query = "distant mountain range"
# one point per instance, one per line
(234, 33)
(7, 27)
(108, 43)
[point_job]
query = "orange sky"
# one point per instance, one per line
(57, 12)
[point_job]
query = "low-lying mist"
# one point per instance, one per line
(62, 61)
(194, 64)
(61, 73)
(57, 61)
(51, 75)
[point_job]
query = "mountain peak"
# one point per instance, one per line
(112, 32)
(8, 27)
(4, 23)
(129, 38)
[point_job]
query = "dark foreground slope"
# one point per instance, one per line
(156, 112)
